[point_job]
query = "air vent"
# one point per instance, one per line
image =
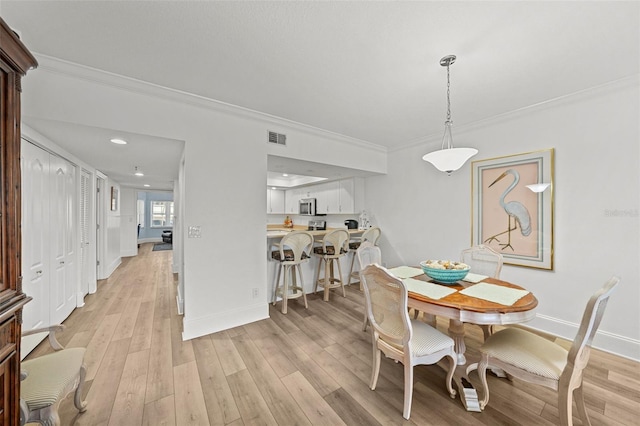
(277, 138)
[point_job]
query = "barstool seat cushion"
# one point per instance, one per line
(330, 251)
(288, 256)
(354, 245)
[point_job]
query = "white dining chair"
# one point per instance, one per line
(399, 338)
(483, 260)
(47, 380)
(373, 235)
(367, 254)
(534, 359)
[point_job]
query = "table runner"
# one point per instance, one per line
(495, 293)
(405, 272)
(432, 291)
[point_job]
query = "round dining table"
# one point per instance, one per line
(460, 308)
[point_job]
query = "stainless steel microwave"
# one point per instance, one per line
(307, 207)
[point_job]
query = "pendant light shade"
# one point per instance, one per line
(449, 159)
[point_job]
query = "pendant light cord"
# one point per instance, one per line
(448, 97)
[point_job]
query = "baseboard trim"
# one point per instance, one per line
(223, 321)
(623, 346)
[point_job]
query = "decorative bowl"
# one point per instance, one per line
(444, 276)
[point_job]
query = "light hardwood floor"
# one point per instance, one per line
(307, 367)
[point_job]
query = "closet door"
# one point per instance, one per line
(61, 239)
(86, 266)
(35, 225)
(48, 232)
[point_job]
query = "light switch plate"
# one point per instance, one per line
(194, 232)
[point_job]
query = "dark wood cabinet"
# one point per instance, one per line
(15, 61)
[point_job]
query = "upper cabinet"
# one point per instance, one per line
(338, 197)
(275, 201)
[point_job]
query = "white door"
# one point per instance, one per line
(100, 188)
(35, 225)
(61, 239)
(86, 266)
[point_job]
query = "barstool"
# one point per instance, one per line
(371, 234)
(334, 246)
(293, 250)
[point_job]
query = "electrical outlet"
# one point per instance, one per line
(254, 292)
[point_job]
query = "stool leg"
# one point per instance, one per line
(353, 261)
(315, 286)
(285, 290)
(327, 278)
(276, 285)
(304, 294)
(340, 277)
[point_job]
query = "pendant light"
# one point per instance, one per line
(449, 159)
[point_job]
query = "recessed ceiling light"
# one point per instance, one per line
(146, 185)
(285, 175)
(138, 172)
(273, 187)
(119, 141)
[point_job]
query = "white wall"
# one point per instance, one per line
(224, 178)
(424, 213)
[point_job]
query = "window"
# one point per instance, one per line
(161, 214)
(141, 213)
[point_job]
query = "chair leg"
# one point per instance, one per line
(77, 398)
(564, 407)
(482, 372)
(487, 330)
(340, 277)
(366, 321)
(582, 409)
(452, 370)
(376, 367)
(408, 389)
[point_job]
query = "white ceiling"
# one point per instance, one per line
(368, 70)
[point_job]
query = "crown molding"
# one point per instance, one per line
(69, 69)
(622, 83)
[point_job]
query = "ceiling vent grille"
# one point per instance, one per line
(277, 138)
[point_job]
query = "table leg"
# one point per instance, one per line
(456, 331)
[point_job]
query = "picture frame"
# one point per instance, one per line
(512, 207)
(114, 198)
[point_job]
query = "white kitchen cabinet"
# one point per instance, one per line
(275, 201)
(338, 197)
(291, 200)
(322, 194)
(346, 196)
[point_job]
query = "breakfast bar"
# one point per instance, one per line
(276, 232)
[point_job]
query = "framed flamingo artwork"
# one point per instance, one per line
(512, 207)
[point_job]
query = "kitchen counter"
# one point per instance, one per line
(279, 231)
